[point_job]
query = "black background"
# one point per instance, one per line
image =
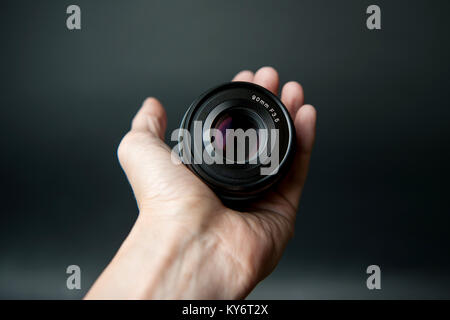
(377, 192)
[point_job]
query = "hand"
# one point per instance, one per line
(186, 243)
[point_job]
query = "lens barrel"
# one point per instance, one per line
(249, 110)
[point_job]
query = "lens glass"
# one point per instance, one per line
(239, 128)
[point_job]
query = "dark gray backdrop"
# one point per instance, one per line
(377, 192)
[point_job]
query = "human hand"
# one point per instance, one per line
(186, 243)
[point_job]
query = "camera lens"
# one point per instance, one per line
(238, 138)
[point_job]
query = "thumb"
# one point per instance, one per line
(142, 150)
(151, 118)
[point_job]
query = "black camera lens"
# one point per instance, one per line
(238, 138)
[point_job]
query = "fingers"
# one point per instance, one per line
(292, 97)
(267, 77)
(305, 126)
(244, 75)
(304, 117)
(151, 118)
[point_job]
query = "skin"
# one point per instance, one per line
(185, 243)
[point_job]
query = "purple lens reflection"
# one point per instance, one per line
(234, 120)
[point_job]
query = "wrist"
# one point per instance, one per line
(179, 255)
(187, 259)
